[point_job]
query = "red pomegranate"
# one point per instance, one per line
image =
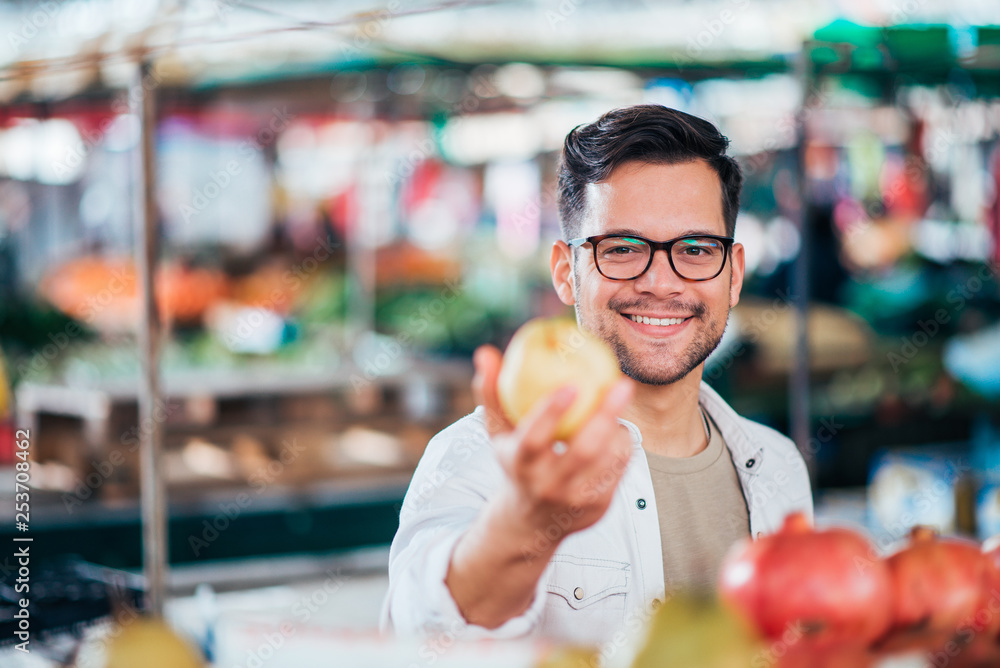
(850, 656)
(990, 609)
(941, 590)
(982, 652)
(821, 586)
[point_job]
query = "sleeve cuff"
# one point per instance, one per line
(441, 613)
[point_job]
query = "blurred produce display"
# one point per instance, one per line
(104, 293)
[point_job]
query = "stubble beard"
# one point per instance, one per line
(641, 368)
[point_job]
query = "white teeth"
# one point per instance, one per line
(661, 322)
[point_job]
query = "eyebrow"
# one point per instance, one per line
(636, 233)
(624, 230)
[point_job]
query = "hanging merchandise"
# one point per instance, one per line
(420, 187)
(865, 157)
(318, 170)
(439, 204)
(343, 208)
(512, 188)
(904, 190)
(968, 181)
(215, 184)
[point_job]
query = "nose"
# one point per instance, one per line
(660, 279)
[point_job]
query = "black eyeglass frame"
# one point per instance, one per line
(727, 243)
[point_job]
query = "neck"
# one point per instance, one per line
(668, 417)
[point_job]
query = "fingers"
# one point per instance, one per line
(592, 446)
(535, 433)
(538, 428)
(487, 360)
(605, 419)
(599, 442)
(600, 449)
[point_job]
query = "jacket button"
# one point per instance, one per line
(657, 603)
(578, 593)
(640, 504)
(751, 462)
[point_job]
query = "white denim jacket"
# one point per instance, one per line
(601, 579)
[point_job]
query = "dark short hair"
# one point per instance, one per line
(648, 133)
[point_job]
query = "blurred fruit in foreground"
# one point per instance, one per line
(991, 551)
(150, 643)
(568, 657)
(546, 354)
(981, 652)
(941, 591)
(799, 656)
(697, 633)
(823, 586)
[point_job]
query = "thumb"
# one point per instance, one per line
(487, 360)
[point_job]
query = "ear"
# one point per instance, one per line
(561, 266)
(738, 266)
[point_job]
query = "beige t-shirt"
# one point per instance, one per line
(702, 512)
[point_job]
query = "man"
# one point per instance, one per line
(505, 533)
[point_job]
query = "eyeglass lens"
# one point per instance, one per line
(693, 257)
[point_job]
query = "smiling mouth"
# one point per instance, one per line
(659, 322)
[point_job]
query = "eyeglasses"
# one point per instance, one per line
(624, 257)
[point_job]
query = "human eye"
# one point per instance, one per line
(622, 246)
(698, 248)
(621, 249)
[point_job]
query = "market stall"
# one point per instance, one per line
(244, 272)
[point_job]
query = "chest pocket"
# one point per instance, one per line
(586, 598)
(583, 582)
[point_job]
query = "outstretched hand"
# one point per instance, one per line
(561, 489)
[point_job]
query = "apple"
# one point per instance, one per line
(546, 354)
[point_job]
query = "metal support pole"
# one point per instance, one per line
(799, 400)
(153, 489)
(360, 241)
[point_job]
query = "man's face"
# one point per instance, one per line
(658, 202)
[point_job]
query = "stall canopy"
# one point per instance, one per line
(58, 50)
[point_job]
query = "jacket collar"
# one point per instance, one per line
(730, 426)
(746, 455)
